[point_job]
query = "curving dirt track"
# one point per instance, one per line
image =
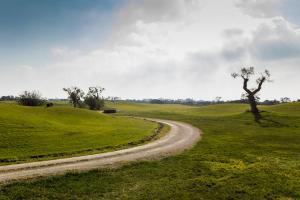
(180, 137)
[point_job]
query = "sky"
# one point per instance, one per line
(149, 48)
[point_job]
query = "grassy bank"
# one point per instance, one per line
(35, 133)
(236, 159)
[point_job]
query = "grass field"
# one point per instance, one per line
(211, 110)
(236, 159)
(284, 109)
(31, 133)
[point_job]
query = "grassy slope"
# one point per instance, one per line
(211, 110)
(237, 159)
(38, 132)
(284, 109)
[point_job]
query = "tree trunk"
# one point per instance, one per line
(251, 98)
(253, 106)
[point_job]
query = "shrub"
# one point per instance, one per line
(48, 105)
(110, 110)
(94, 103)
(32, 98)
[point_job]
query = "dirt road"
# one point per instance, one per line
(180, 137)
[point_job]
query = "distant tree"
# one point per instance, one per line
(270, 102)
(113, 99)
(188, 101)
(218, 99)
(31, 98)
(75, 96)
(285, 100)
(157, 101)
(8, 98)
(94, 99)
(246, 74)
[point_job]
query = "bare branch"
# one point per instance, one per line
(260, 82)
(245, 85)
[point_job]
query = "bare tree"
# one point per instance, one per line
(246, 74)
(75, 95)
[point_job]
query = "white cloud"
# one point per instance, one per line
(232, 33)
(260, 8)
(25, 67)
(64, 52)
(273, 41)
(276, 41)
(150, 11)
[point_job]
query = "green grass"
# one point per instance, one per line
(172, 109)
(285, 109)
(236, 159)
(31, 133)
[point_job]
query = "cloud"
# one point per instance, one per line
(260, 8)
(144, 22)
(276, 41)
(273, 41)
(150, 11)
(235, 42)
(25, 67)
(290, 10)
(232, 33)
(64, 52)
(287, 9)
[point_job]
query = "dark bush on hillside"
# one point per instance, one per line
(33, 98)
(157, 101)
(111, 110)
(269, 102)
(94, 103)
(48, 105)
